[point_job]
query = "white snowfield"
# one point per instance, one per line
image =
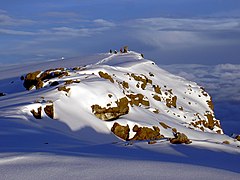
(78, 143)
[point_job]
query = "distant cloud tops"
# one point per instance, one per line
(222, 81)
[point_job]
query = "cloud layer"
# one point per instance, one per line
(196, 30)
(221, 81)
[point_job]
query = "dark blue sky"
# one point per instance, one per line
(179, 31)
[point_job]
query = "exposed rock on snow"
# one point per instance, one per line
(38, 78)
(180, 138)
(131, 91)
(49, 111)
(111, 113)
(38, 114)
(121, 131)
(146, 133)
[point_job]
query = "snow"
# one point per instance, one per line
(77, 144)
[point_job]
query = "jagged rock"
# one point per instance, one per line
(31, 80)
(171, 102)
(49, 111)
(137, 99)
(111, 113)
(106, 76)
(63, 88)
(180, 138)
(156, 111)
(145, 133)
(143, 79)
(165, 126)
(121, 131)
(39, 84)
(35, 79)
(38, 114)
(210, 104)
(157, 89)
(125, 85)
(211, 122)
(156, 97)
(71, 81)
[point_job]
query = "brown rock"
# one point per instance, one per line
(156, 97)
(38, 114)
(157, 89)
(145, 133)
(121, 131)
(180, 138)
(171, 102)
(63, 88)
(111, 113)
(31, 80)
(105, 76)
(165, 126)
(137, 99)
(49, 111)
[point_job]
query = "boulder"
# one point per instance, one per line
(111, 113)
(49, 111)
(180, 138)
(38, 114)
(146, 133)
(121, 131)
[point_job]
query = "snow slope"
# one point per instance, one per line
(67, 112)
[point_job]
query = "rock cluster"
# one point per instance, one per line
(142, 133)
(111, 113)
(179, 138)
(36, 79)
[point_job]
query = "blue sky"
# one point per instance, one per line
(169, 32)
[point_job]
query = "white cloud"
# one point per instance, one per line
(102, 22)
(6, 20)
(194, 24)
(16, 32)
(222, 81)
(172, 33)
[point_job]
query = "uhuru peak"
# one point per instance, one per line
(121, 97)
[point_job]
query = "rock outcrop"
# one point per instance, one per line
(111, 113)
(146, 133)
(49, 111)
(38, 114)
(121, 131)
(36, 79)
(180, 138)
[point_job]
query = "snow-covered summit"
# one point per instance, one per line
(116, 98)
(109, 115)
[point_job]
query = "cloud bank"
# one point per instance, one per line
(222, 81)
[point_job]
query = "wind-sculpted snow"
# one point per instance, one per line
(120, 110)
(123, 88)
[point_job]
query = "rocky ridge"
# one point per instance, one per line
(130, 96)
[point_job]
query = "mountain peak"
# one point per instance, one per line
(122, 93)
